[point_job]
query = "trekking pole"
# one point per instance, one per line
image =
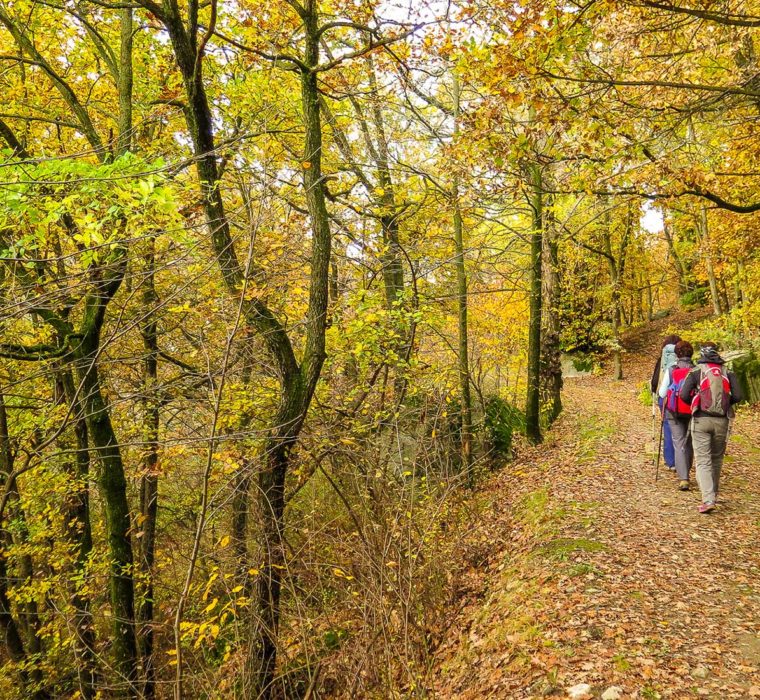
(659, 449)
(654, 421)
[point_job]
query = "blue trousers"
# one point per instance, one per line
(668, 451)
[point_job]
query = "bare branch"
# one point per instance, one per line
(371, 46)
(728, 18)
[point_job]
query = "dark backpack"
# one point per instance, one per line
(713, 396)
(673, 401)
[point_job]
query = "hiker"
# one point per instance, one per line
(712, 392)
(677, 412)
(664, 361)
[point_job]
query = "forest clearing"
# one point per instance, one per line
(379, 349)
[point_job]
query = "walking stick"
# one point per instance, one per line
(659, 449)
(654, 421)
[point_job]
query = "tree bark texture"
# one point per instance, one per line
(551, 364)
(80, 534)
(149, 480)
(533, 398)
(463, 338)
(111, 477)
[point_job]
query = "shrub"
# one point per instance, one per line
(694, 298)
(645, 394)
(500, 422)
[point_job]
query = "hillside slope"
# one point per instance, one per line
(584, 570)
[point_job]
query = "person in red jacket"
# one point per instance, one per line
(712, 392)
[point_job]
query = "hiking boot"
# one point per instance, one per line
(706, 507)
(683, 485)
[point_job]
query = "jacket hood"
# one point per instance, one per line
(684, 362)
(709, 356)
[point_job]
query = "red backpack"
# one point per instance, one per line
(714, 394)
(673, 401)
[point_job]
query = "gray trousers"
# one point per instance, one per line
(684, 452)
(708, 436)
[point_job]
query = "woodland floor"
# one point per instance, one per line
(583, 569)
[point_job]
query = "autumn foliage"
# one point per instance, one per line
(277, 278)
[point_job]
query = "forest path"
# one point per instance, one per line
(584, 570)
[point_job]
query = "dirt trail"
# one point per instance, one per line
(584, 570)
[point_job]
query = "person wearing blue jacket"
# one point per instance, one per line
(679, 419)
(668, 450)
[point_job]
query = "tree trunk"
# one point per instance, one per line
(533, 399)
(683, 282)
(704, 235)
(298, 387)
(241, 485)
(617, 269)
(80, 534)
(149, 480)
(741, 281)
(297, 383)
(617, 371)
(725, 304)
(14, 644)
(551, 363)
(461, 274)
(111, 477)
(9, 625)
(393, 266)
(464, 362)
(125, 82)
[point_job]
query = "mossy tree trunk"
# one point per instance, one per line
(533, 398)
(551, 365)
(297, 381)
(80, 534)
(151, 402)
(616, 262)
(111, 479)
(463, 337)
